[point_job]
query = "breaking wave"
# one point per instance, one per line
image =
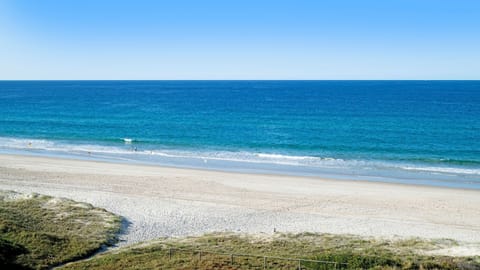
(127, 150)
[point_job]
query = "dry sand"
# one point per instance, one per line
(161, 201)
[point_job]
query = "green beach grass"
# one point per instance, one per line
(38, 232)
(348, 251)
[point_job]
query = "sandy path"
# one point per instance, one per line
(160, 201)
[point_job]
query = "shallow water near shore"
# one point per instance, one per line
(417, 132)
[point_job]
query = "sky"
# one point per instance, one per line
(244, 39)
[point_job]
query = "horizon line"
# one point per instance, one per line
(32, 80)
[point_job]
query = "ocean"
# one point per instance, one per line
(414, 132)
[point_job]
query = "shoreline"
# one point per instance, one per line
(164, 201)
(246, 173)
(261, 168)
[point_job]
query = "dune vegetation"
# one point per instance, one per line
(38, 232)
(280, 251)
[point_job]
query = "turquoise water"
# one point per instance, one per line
(422, 132)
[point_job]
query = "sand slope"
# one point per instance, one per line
(160, 201)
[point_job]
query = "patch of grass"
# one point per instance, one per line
(38, 232)
(348, 251)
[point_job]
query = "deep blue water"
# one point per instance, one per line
(425, 132)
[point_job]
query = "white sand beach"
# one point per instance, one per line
(161, 201)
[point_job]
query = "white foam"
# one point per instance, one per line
(124, 152)
(277, 156)
(449, 170)
(46, 145)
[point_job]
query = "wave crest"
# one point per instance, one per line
(127, 151)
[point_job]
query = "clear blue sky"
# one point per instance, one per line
(244, 39)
